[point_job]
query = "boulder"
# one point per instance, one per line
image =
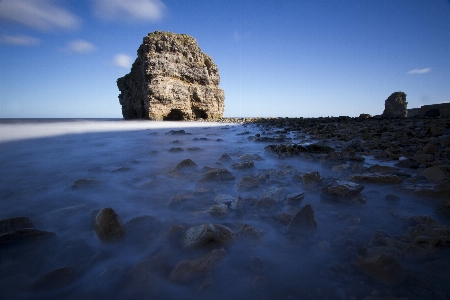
(11, 224)
(217, 175)
(303, 222)
(247, 183)
(171, 79)
(433, 174)
(384, 268)
(395, 105)
(342, 190)
(189, 270)
(312, 180)
(108, 226)
(218, 210)
(208, 236)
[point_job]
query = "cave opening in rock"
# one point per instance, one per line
(174, 115)
(200, 114)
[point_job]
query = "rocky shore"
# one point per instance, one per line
(285, 208)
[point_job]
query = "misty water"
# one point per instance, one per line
(130, 161)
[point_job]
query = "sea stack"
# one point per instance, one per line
(396, 105)
(171, 79)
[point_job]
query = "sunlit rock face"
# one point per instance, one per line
(171, 79)
(396, 105)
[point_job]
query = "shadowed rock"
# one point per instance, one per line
(55, 279)
(396, 105)
(24, 235)
(207, 236)
(383, 268)
(108, 226)
(16, 223)
(303, 223)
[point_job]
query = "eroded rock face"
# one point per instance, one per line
(396, 105)
(171, 79)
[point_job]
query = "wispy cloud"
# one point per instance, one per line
(80, 47)
(129, 10)
(38, 14)
(122, 60)
(420, 71)
(21, 40)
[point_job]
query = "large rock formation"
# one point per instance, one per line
(171, 79)
(395, 105)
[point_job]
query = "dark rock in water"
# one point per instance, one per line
(342, 190)
(243, 165)
(217, 175)
(312, 180)
(318, 148)
(375, 178)
(176, 149)
(9, 225)
(171, 79)
(189, 270)
(108, 226)
(384, 268)
(303, 223)
(85, 183)
(279, 194)
(55, 279)
(218, 210)
(293, 149)
(185, 164)
(180, 202)
(250, 234)
(434, 174)
(225, 158)
(24, 235)
(142, 228)
(257, 264)
(396, 105)
(247, 183)
(207, 236)
(177, 132)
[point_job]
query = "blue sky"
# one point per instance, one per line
(61, 58)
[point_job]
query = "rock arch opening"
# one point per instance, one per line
(174, 115)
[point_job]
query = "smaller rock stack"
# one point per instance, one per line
(396, 105)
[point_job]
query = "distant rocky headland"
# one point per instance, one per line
(171, 79)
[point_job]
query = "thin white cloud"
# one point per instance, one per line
(79, 46)
(129, 10)
(420, 71)
(38, 14)
(122, 60)
(21, 40)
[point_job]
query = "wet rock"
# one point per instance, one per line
(249, 233)
(246, 157)
(244, 165)
(217, 175)
(247, 183)
(384, 268)
(429, 149)
(375, 178)
(342, 190)
(382, 169)
(285, 218)
(85, 183)
(180, 202)
(202, 192)
(55, 279)
(12, 224)
(294, 199)
(208, 236)
(319, 148)
(444, 209)
(218, 210)
(312, 180)
(266, 203)
(408, 163)
(185, 164)
(396, 105)
(303, 222)
(189, 270)
(177, 132)
(24, 235)
(225, 158)
(224, 199)
(108, 226)
(293, 149)
(433, 174)
(176, 149)
(237, 203)
(279, 194)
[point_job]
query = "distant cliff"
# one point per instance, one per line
(432, 110)
(171, 79)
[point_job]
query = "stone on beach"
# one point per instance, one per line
(342, 190)
(218, 210)
(247, 183)
(434, 174)
(208, 236)
(303, 222)
(12, 224)
(108, 226)
(312, 180)
(217, 175)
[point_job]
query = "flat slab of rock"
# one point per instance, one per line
(108, 226)
(342, 189)
(189, 270)
(375, 178)
(384, 268)
(55, 279)
(12, 224)
(24, 235)
(207, 236)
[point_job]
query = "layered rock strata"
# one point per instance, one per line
(171, 79)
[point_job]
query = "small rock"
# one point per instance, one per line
(185, 164)
(23, 235)
(207, 236)
(294, 198)
(246, 157)
(217, 175)
(375, 178)
(257, 264)
(179, 202)
(190, 269)
(237, 203)
(224, 199)
(108, 226)
(408, 163)
(343, 190)
(244, 165)
(12, 224)
(225, 158)
(303, 222)
(312, 179)
(383, 268)
(247, 183)
(429, 149)
(85, 183)
(249, 233)
(218, 210)
(433, 174)
(55, 279)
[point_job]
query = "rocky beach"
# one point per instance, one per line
(255, 208)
